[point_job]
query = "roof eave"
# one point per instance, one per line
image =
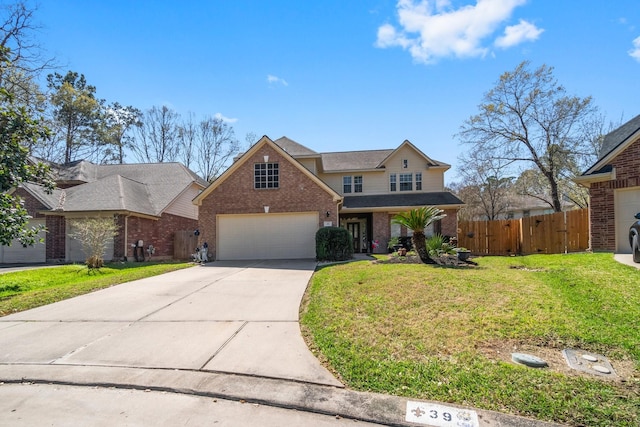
(587, 180)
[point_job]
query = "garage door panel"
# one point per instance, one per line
(627, 204)
(266, 236)
(18, 254)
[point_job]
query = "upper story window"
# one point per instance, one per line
(357, 184)
(418, 181)
(346, 184)
(405, 163)
(392, 182)
(406, 182)
(266, 175)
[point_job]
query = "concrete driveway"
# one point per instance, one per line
(224, 317)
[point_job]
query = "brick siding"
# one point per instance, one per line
(297, 192)
(159, 233)
(602, 207)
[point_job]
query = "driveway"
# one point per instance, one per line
(224, 317)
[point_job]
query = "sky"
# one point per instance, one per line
(341, 75)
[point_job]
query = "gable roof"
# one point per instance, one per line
(146, 189)
(407, 143)
(613, 144)
(265, 140)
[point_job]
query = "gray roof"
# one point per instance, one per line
(293, 148)
(354, 160)
(112, 193)
(439, 198)
(147, 188)
(615, 138)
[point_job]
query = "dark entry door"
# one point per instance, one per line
(354, 229)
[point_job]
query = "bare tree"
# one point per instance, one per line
(485, 186)
(17, 30)
(157, 136)
(527, 118)
(216, 146)
(187, 134)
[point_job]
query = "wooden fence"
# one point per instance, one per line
(184, 244)
(555, 233)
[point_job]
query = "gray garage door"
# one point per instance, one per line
(16, 253)
(267, 236)
(627, 204)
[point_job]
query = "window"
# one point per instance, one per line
(346, 184)
(419, 181)
(395, 229)
(405, 164)
(406, 182)
(357, 184)
(266, 175)
(392, 182)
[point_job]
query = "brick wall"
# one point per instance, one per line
(55, 238)
(449, 224)
(296, 193)
(602, 208)
(381, 231)
(31, 204)
(159, 233)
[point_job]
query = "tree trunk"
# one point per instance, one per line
(420, 245)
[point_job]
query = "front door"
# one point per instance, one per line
(354, 229)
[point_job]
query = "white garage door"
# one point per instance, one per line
(267, 236)
(627, 203)
(18, 254)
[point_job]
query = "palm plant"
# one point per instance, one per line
(417, 220)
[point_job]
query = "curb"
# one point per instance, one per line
(322, 399)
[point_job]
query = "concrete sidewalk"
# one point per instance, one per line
(226, 330)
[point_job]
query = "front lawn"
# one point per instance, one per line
(447, 334)
(27, 289)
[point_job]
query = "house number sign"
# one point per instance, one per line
(434, 415)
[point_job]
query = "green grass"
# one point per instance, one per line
(428, 332)
(27, 289)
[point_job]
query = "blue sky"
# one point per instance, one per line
(343, 75)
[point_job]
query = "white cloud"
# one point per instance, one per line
(516, 34)
(635, 52)
(433, 29)
(219, 116)
(276, 80)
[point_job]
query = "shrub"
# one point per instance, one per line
(437, 245)
(333, 244)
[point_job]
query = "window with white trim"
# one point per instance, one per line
(405, 163)
(406, 182)
(418, 181)
(357, 184)
(266, 176)
(346, 184)
(392, 182)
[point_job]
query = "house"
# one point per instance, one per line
(149, 202)
(271, 201)
(614, 188)
(522, 206)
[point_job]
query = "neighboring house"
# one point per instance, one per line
(149, 202)
(271, 201)
(526, 206)
(614, 188)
